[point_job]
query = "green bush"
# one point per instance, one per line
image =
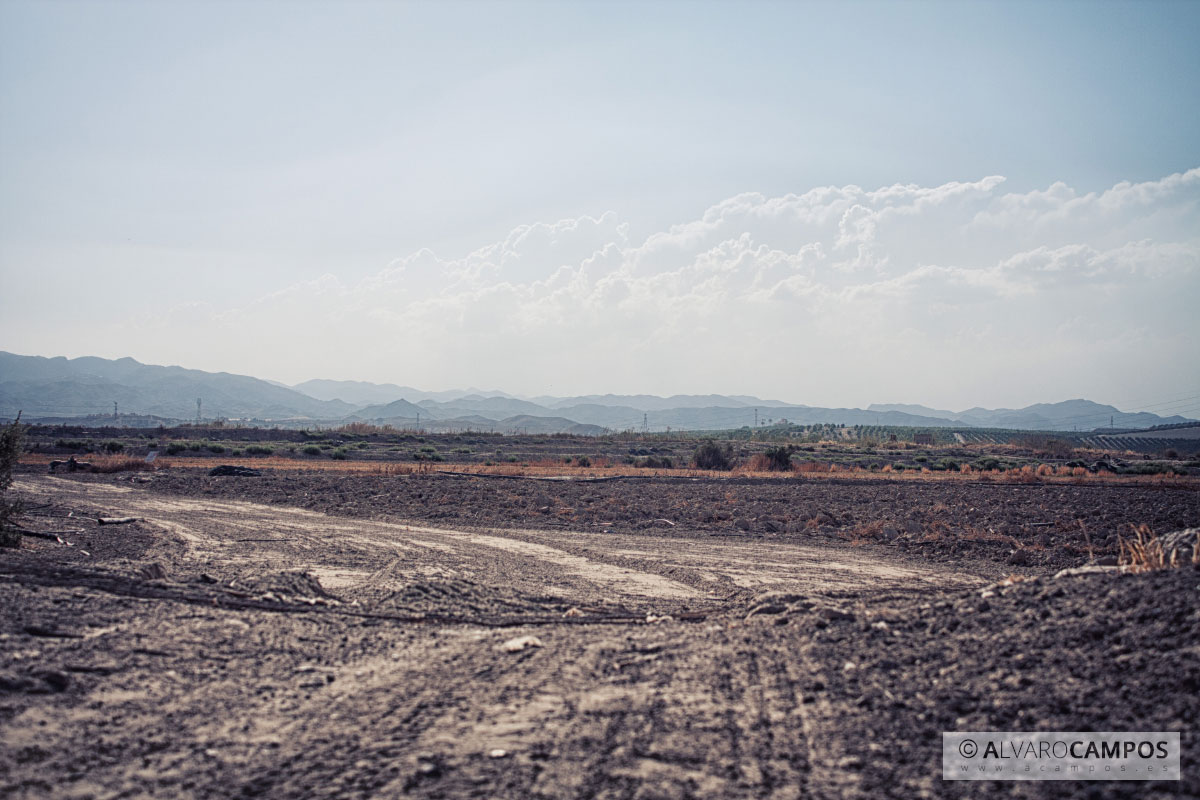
(216, 448)
(311, 450)
(259, 450)
(176, 447)
(113, 447)
(339, 454)
(710, 455)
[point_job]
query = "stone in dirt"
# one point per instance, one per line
(1180, 544)
(521, 643)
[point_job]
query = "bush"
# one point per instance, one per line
(583, 461)
(216, 448)
(176, 447)
(654, 462)
(113, 447)
(259, 450)
(339, 454)
(311, 450)
(710, 455)
(779, 459)
(10, 450)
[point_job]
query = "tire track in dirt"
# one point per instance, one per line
(723, 708)
(359, 557)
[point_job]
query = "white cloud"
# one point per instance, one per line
(837, 295)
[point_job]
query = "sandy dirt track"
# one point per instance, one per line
(184, 657)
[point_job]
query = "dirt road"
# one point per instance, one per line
(185, 656)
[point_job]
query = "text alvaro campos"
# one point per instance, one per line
(1060, 756)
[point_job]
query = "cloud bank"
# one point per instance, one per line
(960, 294)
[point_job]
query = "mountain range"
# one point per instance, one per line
(64, 389)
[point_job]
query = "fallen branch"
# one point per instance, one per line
(117, 520)
(53, 535)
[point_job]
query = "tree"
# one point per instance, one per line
(710, 455)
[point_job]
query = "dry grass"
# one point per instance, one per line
(601, 467)
(109, 464)
(1146, 553)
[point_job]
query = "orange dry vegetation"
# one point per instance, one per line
(600, 468)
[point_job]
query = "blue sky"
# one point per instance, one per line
(174, 168)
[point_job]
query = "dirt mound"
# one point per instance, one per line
(460, 597)
(288, 584)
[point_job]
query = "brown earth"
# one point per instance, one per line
(344, 636)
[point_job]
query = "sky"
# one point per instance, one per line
(954, 204)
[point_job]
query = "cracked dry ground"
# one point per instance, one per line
(186, 656)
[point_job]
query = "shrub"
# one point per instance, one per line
(215, 448)
(311, 450)
(259, 450)
(655, 462)
(779, 459)
(73, 444)
(583, 461)
(339, 454)
(113, 447)
(710, 455)
(176, 447)
(10, 450)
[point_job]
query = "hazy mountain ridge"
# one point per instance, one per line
(89, 385)
(1078, 414)
(60, 387)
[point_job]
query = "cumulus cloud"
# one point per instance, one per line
(817, 297)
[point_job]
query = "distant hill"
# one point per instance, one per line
(363, 393)
(1083, 415)
(63, 387)
(494, 407)
(531, 425)
(396, 409)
